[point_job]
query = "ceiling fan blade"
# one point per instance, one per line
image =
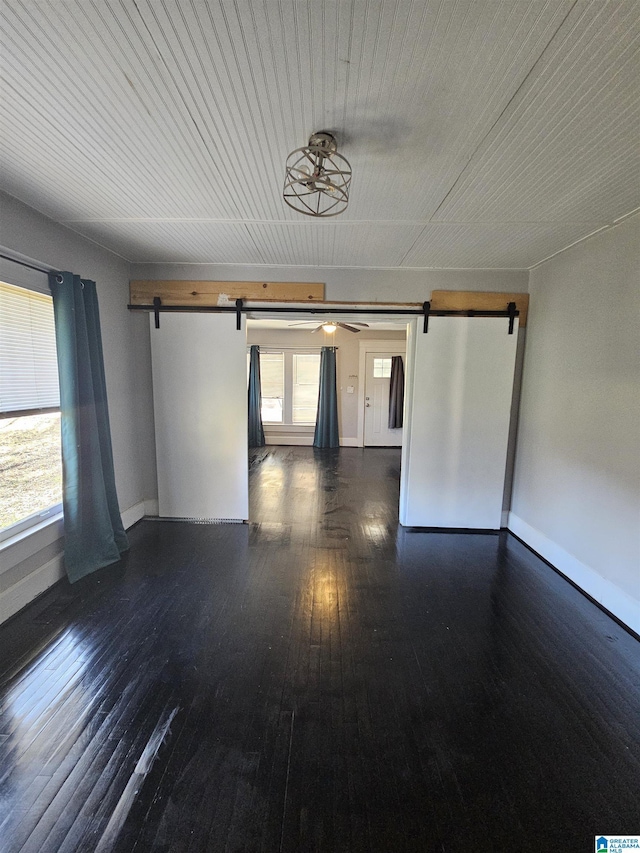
(305, 323)
(317, 329)
(364, 325)
(348, 328)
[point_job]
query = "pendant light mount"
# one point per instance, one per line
(317, 178)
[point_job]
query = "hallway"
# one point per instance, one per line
(318, 680)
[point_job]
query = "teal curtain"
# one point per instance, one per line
(256, 432)
(93, 530)
(326, 434)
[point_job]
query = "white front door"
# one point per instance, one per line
(376, 402)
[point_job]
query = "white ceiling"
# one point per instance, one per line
(481, 133)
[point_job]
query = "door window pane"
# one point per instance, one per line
(306, 378)
(381, 368)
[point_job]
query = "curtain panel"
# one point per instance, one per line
(326, 432)
(93, 529)
(256, 431)
(396, 392)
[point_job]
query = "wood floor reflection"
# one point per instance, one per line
(318, 680)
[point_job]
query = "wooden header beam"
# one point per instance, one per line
(210, 294)
(207, 294)
(469, 300)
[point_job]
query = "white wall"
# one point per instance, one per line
(576, 492)
(128, 373)
(347, 370)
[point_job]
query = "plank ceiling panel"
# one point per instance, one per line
(192, 108)
(421, 112)
(495, 245)
(162, 126)
(568, 149)
(175, 241)
(296, 244)
(314, 243)
(92, 121)
(202, 62)
(336, 243)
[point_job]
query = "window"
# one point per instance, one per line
(31, 482)
(306, 379)
(381, 368)
(272, 386)
(290, 383)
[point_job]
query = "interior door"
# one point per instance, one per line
(458, 393)
(199, 365)
(376, 402)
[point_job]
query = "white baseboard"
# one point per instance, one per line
(611, 597)
(140, 510)
(133, 514)
(21, 593)
(291, 439)
(304, 441)
(151, 507)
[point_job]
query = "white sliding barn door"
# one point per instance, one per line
(199, 364)
(459, 389)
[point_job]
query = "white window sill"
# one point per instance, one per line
(28, 542)
(303, 428)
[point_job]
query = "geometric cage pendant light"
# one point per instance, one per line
(317, 177)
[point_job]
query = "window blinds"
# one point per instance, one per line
(306, 380)
(272, 383)
(28, 363)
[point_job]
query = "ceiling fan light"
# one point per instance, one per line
(317, 178)
(329, 327)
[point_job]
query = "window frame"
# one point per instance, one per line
(13, 274)
(31, 521)
(288, 354)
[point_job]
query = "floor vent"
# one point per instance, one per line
(197, 520)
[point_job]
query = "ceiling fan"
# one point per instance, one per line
(330, 326)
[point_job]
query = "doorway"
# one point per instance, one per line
(377, 385)
(458, 404)
(375, 380)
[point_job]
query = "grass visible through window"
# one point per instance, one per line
(31, 466)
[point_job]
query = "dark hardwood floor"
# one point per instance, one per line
(318, 680)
